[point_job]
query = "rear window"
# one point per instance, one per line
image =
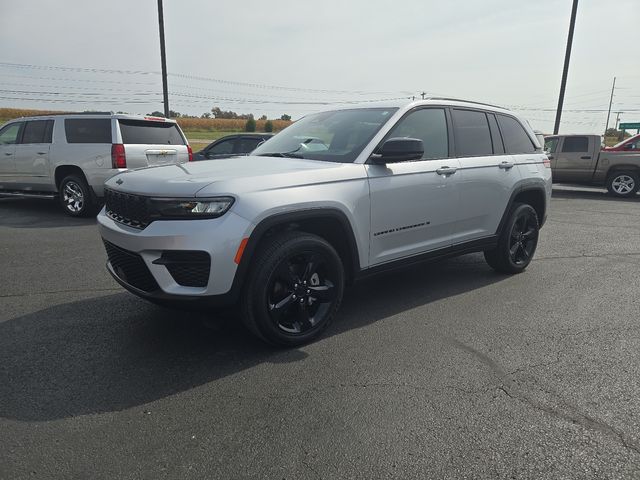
(575, 144)
(473, 137)
(150, 133)
(37, 131)
(88, 130)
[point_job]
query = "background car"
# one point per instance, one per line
(239, 144)
(631, 143)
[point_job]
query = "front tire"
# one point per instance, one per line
(517, 241)
(623, 184)
(294, 290)
(76, 197)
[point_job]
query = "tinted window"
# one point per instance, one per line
(88, 130)
(246, 145)
(430, 126)
(472, 133)
(496, 137)
(9, 134)
(222, 148)
(150, 133)
(550, 144)
(37, 132)
(575, 144)
(516, 140)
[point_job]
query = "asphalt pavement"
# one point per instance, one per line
(446, 370)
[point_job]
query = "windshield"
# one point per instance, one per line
(337, 136)
(626, 140)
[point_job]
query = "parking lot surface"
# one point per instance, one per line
(438, 371)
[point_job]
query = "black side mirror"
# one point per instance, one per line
(398, 150)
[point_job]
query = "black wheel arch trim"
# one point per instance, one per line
(287, 218)
(526, 185)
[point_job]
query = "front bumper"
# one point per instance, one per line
(219, 238)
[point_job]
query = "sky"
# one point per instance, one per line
(295, 57)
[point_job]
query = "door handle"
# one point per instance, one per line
(8, 154)
(505, 165)
(586, 157)
(42, 153)
(446, 171)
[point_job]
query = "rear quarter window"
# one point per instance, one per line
(516, 139)
(88, 130)
(143, 132)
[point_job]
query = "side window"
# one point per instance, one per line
(36, 132)
(89, 130)
(246, 145)
(551, 144)
(472, 134)
(516, 139)
(222, 148)
(430, 126)
(9, 134)
(575, 144)
(496, 137)
(633, 145)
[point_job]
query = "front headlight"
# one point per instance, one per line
(178, 208)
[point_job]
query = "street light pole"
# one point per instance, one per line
(565, 71)
(163, 59)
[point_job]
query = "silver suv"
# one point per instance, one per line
(335, 196)
(72, 155)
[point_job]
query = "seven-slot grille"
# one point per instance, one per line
(132, 210)
(130, 268)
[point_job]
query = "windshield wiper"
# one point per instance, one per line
(280, 154)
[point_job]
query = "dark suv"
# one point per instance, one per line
(240, 144)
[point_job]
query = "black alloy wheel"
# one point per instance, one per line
(301, 292)
(294, 289)
(517, 241)
(523, 238)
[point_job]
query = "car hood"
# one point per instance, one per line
(231, 176)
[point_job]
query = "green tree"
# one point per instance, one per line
(250, 126)
(285, 117)
(263, 117)
(268, 126)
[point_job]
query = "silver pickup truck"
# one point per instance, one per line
(578, 159)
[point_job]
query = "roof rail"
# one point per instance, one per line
(449, 99)
(68, 113)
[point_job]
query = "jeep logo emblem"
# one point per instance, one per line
(119, 181)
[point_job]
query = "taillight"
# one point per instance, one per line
(190, 150)
(118, 158)
(546, 162)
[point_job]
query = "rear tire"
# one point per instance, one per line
(294, 290)
(623, 184)
(76, 197)
(517, 241)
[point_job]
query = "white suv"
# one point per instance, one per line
(73, 154)
(335, 196)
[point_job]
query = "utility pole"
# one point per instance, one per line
(610, 102)
(617, 118)
(565, 70)
(423, 94)
(163, 59)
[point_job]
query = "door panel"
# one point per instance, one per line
(484, 185)
(9, 136)
(32, 155)
(574, 160)
(412, 208)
